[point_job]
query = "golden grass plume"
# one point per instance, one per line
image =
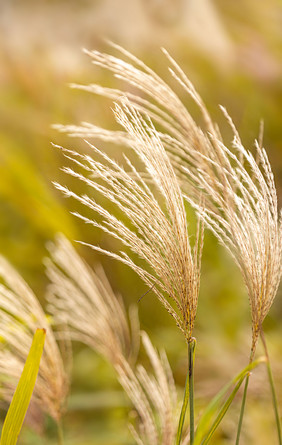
(236, 187)
(157, 227)
(84, 305)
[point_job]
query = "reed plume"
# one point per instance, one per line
(83, 303)
(236, 187)
(85, 307)
(157, 228)
(154, 398)
(20, 315)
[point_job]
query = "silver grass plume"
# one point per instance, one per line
(82, 301)
(236, 187)
(154, 398)
(20, 315)
(159, 235)
(85, 307)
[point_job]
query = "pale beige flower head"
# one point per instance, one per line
(154, 398)
(84, 305)
(238, 187)
(20, 316)
(157, 228)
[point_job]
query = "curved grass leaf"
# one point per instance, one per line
(222, 412)
(18, 407)
(204, 430)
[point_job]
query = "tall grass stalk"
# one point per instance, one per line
(243, 403)
(273, 392)
(184, 408)
(191, 355)
(60, 433)
(188, 395)
(242, 410)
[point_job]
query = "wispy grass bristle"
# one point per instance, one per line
(236, 187)
(20, 315)
(84, 305)
(161, 237)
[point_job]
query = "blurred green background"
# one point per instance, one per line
(232, 51)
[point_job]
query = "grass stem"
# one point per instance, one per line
(60, 433)
(188, 395)
(274, 397)
(191, 355)
(242, 410)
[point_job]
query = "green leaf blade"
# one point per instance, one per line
(205, 430)
(20, 402)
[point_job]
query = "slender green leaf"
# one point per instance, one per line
(213, 406)
(222, 412)
(18, 407)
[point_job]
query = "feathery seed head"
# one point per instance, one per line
(159, 219)
(153, 396)
(83, 303)
(20, 315)
(238, 191)
(85, 307)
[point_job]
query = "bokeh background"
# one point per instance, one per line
(232, 51)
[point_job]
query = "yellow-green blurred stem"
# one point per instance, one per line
(60, 433)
